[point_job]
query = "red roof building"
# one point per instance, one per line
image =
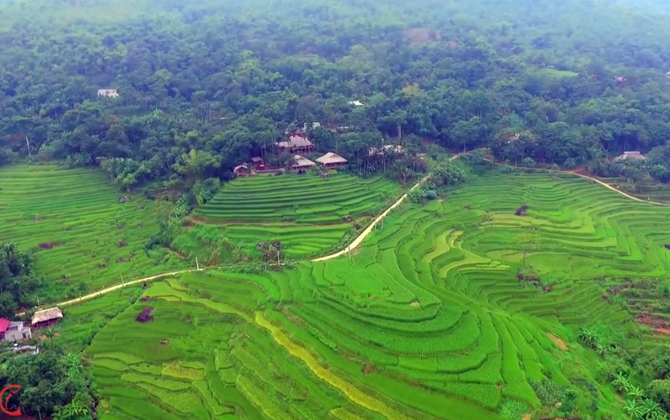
(4, 325)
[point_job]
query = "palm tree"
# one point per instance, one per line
(634, 409)
(620, 382)
(634, 392)
(650, 408)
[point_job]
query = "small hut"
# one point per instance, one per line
(46, 318)
(331, 161)
(110, 93)
(258, 163)
(632, 155)
(241, 170)
(301, 164)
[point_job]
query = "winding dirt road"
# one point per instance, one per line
(353, 245)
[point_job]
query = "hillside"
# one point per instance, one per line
(456, 310)
(502, 289)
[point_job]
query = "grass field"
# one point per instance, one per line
(304, 212)
(77, 217)
(427, 321)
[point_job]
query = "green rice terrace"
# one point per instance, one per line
(307, 213)
(82, 229)
(463, 309)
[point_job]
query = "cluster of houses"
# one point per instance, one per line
(17, 331)
(297, 144)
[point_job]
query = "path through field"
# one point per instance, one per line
(354, 244)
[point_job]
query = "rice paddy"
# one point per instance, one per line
(307, 213)
(85, 238)
(456, 310)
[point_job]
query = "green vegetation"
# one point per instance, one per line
(306, 213)
(513, 295)
(495, 315)
(17, 280)
(83, 236)
(53, 383)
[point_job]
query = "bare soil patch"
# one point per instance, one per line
(415, 304)
(368, 369)
(656, 322)
(560, 343)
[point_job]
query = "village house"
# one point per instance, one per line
(13, 330)
(242, 170)
(301, 164)
(46, 318)
(356, 103)
(110, 93)
(258, 163)
(296, 143)
(632, 155)
(331, 161)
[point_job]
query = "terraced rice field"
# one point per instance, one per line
(427, 321)
(77, 217)
(304, 212)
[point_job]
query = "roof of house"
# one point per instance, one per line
(635, 154)
(4, 325)
(46, 315)
(331, 157)
(356, 103)
(242, 166)
(107, 92)
(301, 161)
(257, 159)
(295, 141)
(395, 148)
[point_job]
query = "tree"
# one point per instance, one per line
(447, 174)
(17, 281)
(196, 165)
(659, 391)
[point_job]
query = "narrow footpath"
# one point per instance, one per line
(353, 245)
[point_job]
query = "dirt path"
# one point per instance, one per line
(617, 190)
(604, 184)
(354, 244)
(117, 287)
(360, 238)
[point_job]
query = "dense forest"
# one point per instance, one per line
(570, 83)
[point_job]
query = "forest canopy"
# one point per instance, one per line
(570, 82)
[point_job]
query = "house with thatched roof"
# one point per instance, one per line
(110, 93)
(331, 161)
(296, 143)
(301, 164)
(242, 170)
(46, 317)
(258, 162)
(632, 155)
